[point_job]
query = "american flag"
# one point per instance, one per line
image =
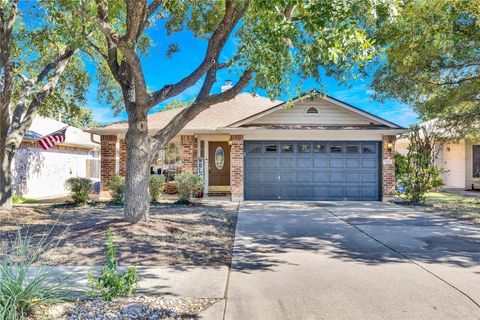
(49, 140)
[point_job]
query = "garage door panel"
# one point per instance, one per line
(303, 177)
(271, 163)
(304, 162)
(337, 177)
(320, 162)
(346, 171)
(336, 162)
(287, 163)
(320, 176)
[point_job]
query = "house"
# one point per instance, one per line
(256, 149)
(460, 160)
(38, 173)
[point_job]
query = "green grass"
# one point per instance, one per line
(21, 199)
(455, 205)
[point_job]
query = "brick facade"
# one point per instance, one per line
(122, 170)
(189, 154)
(108, 154)
(388, 169)
(236, 180)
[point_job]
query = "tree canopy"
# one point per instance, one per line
(432, 61)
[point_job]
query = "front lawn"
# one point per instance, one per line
(186, 235)
(454, 205)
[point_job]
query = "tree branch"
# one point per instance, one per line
(21, 123)
(232, 15)
(164, 135)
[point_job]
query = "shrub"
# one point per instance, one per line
(21, 288)
(21, 199)
(116, 184)
(157, 184)
(111, 283)
(80, 188)
(419, 174)
(189, 184)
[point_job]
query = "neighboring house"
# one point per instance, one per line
(460, 160)
(42, 174)
(257, 149)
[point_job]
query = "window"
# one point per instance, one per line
(271, 148)
(255, 148)
(476, 161)
(368, 148)
(311, 110)
(304, 147)
(352, 148)
(319, 147)
(336, 148)
(287, 148)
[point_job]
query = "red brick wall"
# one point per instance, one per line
(122, 170)
(388, 170)
(189, 154)
(237, 166)
(108, 159)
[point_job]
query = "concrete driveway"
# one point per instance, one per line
(351, 260)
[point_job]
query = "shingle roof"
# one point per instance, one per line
(217, 116)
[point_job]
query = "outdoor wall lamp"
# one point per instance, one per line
(230, 142)
(389, 146)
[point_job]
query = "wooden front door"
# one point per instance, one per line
(218, 166)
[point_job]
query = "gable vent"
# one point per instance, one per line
(312, 110)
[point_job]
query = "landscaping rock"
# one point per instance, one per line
(141, 307)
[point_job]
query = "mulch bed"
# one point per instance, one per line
(186, 235)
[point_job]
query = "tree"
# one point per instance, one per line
(432, 62)
(70, 112)
(277, 42)
(419, 174)
(32, 61)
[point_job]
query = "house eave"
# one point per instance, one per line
(243, 130)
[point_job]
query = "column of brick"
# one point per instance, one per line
(237, 167)
(388, 170)
(189, 154)
(108, 150)
(123, 158)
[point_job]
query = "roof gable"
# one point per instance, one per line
(321, 111)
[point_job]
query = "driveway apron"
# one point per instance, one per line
(351, 260)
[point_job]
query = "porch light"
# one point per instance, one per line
(230, 142)
(389, 146)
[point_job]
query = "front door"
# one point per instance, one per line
(218, 166)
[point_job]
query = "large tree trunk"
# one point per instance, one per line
(137, 200)
(6, 157)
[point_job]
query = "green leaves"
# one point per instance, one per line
(432, 61)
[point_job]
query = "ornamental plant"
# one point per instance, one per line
(189, 185)
(80, 189)
(111, 283)
(157, 184)
(116, 184)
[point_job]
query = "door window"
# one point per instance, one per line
(219, 158)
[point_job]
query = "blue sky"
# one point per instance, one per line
(160, 71)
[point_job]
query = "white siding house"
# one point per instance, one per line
(42, 174)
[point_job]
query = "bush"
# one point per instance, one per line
(21, 199)
(189, 184)
(157, 184)
(116, 184)
(418, 174)
(111, 283)
(80, 188)
(21, 288)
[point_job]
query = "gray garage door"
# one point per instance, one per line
(312, 170)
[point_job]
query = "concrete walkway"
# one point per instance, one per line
(186, 281)
(351, 260)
